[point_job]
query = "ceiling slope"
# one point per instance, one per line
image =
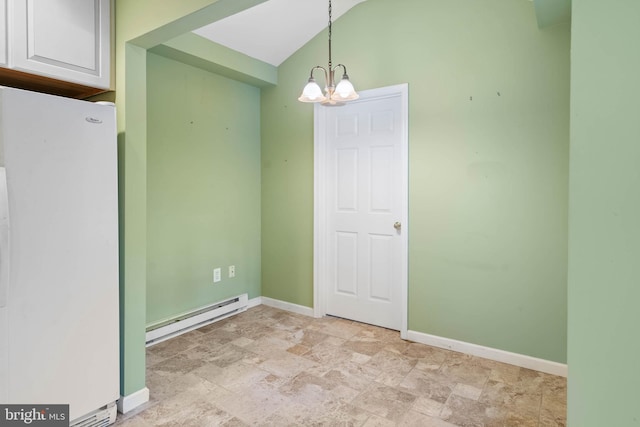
(272, 31)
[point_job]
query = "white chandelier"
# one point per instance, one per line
(333, 95)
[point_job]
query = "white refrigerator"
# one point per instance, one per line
(59, 322)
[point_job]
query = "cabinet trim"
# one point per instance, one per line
(37, 83)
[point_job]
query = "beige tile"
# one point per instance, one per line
(468, 391)
(381, 334)
(364, 345)
(428, 366)
(427, 406)
(269, 367)
(354, 375)
(522, 398)
(426, 353)
(339, 415)
(184, 362)
(171, 347)
(397, 347)
(314, 397)
(551, 422)
(216, 338)
(428, 384)
(242, 341)
(236, 378)
(284, 364)
(229, 354)
(504, 373)
(376, 421)
(465, 369)
(163, 385)
(307, 337)
(289, 321)
(299, 349)
(392, 363)
(391, 378)
(336, 327)
(329, 352)
(177, 411)
(511, 419)
(553, 410)
(466, 412)
(416, 419)
(278, 420)
(252, 330)
(384, 401)
(253, 404)
(360, 358)
(234, 422)
(193, 406)
(268, 346)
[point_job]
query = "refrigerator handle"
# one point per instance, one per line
(4, 237)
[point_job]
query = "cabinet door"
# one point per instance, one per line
(64, 39)
(3, 33)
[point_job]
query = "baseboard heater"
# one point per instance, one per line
(195, 319)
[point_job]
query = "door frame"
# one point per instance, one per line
(319, 199)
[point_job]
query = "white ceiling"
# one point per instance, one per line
(275, 29)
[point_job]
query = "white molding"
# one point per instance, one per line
(254, 302)
(403, 89)
(133, 400)
(319, 213)
(524, 361)
(288, 306)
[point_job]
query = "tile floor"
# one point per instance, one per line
(269, 367)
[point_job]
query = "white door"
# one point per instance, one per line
(363, 202)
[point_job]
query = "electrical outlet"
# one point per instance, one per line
(232, 271)
(217, 275)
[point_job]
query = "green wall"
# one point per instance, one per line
(203, 188)
(489, 139)
(142, 25)
(604, 237)
(488, 176)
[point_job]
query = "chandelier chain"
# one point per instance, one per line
(330, 35)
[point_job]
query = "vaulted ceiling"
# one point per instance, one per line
(275, 29)
(272, 31)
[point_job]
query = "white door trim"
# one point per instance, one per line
(320, 216)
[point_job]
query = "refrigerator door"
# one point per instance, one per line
(62, 297)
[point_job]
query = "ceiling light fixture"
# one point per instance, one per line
(334, 95)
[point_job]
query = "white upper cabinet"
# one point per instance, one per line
(63, 39)
(3, 33)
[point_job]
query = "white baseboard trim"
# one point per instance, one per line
(254, 302)
(133, 400)
(542, 365)
(283, 305)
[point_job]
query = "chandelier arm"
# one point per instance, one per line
(326, 74)
(344, 68)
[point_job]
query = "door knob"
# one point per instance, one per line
(397, 226)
